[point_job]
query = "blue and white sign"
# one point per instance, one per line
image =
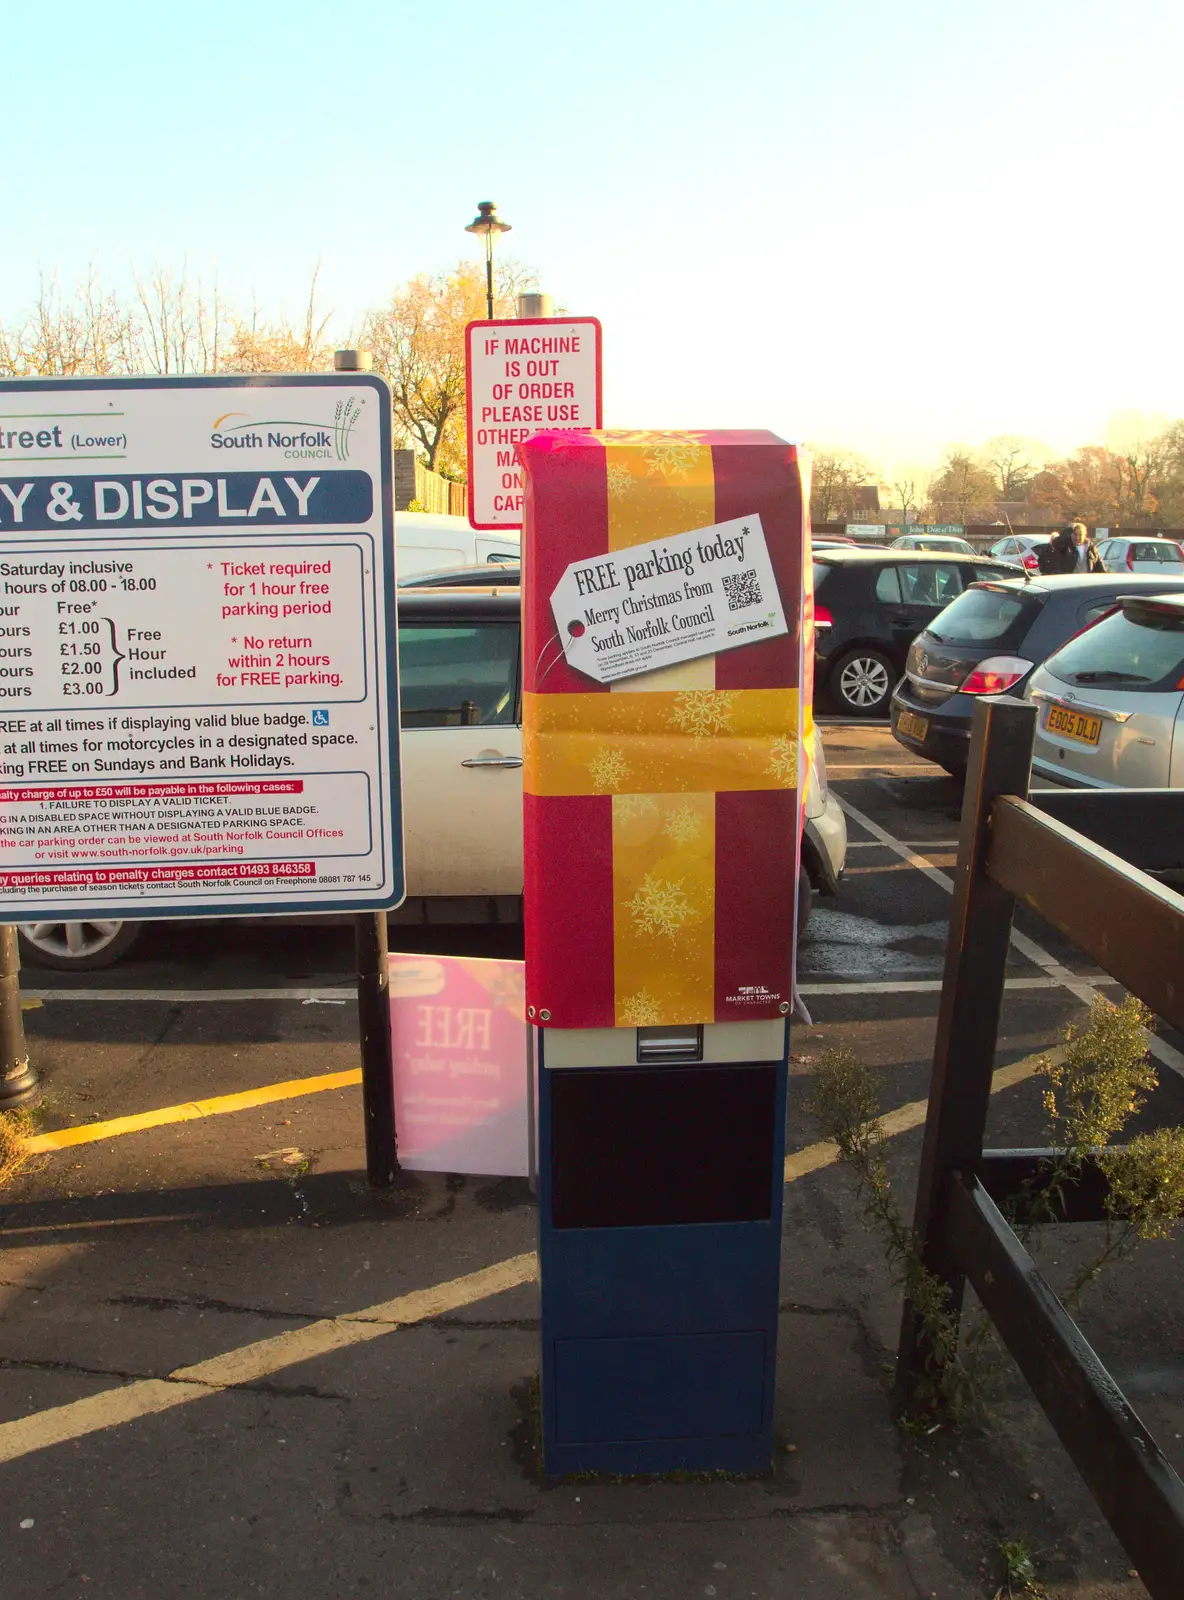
(198, 675)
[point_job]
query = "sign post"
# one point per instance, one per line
(666, 646)
(520, 377)
(198, 680)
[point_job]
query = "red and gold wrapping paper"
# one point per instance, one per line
(662, 813)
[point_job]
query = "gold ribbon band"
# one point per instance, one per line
(686, 741)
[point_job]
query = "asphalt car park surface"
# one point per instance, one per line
(228, 1369)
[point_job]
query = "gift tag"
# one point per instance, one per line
(650, 605)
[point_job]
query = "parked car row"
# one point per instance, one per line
(869, 606)
(990, 641)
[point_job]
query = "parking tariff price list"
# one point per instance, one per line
(135, 625)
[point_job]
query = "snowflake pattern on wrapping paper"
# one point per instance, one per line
(618, 478)
(702, 712)
(660, 906)
(608, 769)
(683, 825)
(644, 436)
(641, 1010)
(783, 761)
(673, 458)
(628, 807)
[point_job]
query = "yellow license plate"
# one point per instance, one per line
(914, 726)
(1073, 725)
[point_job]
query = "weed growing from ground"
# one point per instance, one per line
(15, 1128)
(1095, 1084)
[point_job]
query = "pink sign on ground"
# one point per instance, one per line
(459, 1038)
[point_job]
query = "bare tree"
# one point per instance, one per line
(836, 475)
(910, 486)
(261, 346)
(88, 333)
(180, 328)
(1009, 458)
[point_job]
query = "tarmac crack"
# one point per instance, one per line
(283, 1391)
(481, 1325)
(161, 1302)
(75, 1368)
(437, 1514)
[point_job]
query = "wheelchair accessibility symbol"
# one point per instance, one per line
(320, 719)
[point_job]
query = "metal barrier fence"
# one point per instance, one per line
(1081, 860)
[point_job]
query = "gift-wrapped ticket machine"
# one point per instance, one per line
(666, 667)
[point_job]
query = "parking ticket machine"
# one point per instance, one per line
(664, 607)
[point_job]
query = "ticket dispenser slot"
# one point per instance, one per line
(670, 1044)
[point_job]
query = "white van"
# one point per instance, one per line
(427, 542)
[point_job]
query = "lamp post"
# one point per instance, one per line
(490, 224)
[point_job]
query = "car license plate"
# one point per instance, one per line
(913, 726)
(1073, 725)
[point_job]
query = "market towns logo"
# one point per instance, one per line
(298, 440)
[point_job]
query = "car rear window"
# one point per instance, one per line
(1162, 550)
(985, 614)
(822, 571)
(1139, 648)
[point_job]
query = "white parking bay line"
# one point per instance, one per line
(1086, 989)
(912, 844)
(879, 768)
(916, 986)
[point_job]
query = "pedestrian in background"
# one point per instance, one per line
(1086, 551)
(1059, 554)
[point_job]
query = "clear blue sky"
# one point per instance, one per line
(883, 223)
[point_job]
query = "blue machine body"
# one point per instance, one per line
(660, 1205)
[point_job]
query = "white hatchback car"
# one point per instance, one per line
(1158, 557)
(1112, 701)
(460, 699)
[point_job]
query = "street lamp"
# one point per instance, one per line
(490, 224)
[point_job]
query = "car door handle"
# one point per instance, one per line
(492, 761)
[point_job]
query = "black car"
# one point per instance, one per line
(989, 641)
(502, 574)
(869, 606)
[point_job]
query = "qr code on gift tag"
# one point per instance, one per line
(742, 589)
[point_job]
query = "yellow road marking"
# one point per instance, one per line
(191, 1110)
(254, 1361)
(826, 1153)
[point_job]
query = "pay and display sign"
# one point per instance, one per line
(520, 377)
(198, 698)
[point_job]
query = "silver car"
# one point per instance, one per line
(944, 543)
(1111, 701)
(1022, 548)
(1160, 557)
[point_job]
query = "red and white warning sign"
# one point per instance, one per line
(520, 377)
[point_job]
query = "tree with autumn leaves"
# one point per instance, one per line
(418, 344)
(1135, 479)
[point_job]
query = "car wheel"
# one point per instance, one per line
(76, 946)
(862, 681)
